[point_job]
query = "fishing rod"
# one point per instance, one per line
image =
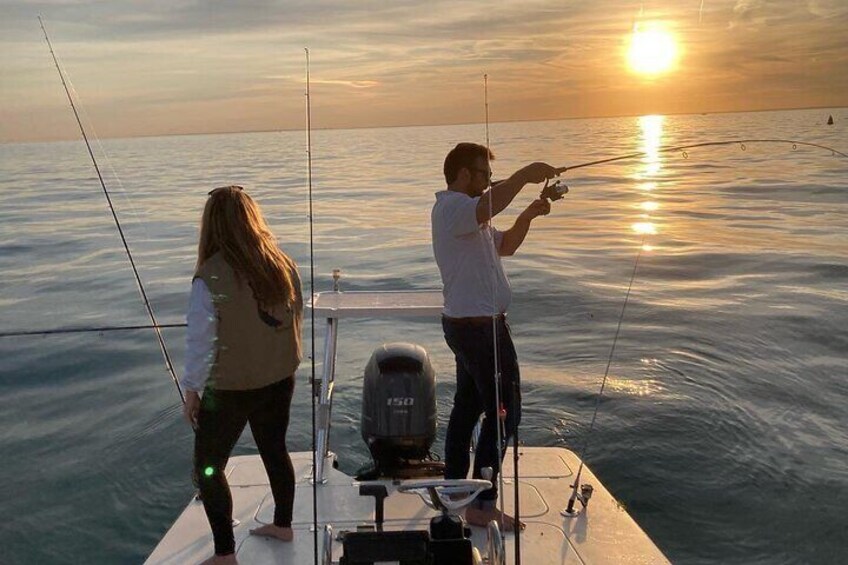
(515, 395)
(169, 366)
(96, 329)
(500, 409)
(312, 311)
(743, 145)
(556, 190)
(499, 437)
(586, 491)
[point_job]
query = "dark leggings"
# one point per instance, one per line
(223, 415)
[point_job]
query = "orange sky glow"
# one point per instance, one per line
(158, 68)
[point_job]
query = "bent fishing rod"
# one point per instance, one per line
(556, 190)
(169, 366)
(743, 145)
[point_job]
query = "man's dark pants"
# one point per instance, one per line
(472, 345)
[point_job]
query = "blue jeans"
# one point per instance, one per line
(472, 345)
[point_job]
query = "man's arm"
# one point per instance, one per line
(514, 236)
(504, 192)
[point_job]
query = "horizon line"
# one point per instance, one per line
(410, 125)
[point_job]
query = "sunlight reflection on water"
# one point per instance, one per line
(737, 318)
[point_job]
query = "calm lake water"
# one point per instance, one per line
(723, 428)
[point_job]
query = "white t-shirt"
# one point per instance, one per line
(473, 278)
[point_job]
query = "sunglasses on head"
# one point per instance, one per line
(231, 187)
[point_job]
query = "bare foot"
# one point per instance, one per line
(481, 517)
(272, 531)
(229, 559)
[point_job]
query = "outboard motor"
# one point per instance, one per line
(399, 412)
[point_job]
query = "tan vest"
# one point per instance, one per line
(253, 349)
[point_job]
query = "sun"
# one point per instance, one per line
(652, 50)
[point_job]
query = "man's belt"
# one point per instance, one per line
(474, 320)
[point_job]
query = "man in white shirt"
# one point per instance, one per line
(468, 251)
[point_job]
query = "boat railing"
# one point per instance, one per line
(337, 305)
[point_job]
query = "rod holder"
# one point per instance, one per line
(586, 491)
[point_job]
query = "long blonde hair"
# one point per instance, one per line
(233, 225)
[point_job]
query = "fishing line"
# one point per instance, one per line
(168, 364)
(486, 106)
(134, 213)
(312, 311)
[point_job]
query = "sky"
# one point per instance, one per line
(163, 67)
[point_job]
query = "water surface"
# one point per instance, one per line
(722, 429)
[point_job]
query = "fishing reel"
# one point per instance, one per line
(586, 491)
(553, 191)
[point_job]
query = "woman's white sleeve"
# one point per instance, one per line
(200, 338)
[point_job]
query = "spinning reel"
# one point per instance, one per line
(553, 190)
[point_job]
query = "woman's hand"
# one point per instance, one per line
(191, 407)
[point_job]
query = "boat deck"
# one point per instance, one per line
(603, 533)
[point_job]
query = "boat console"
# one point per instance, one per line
(447, 542)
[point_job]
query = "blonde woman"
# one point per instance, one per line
(243, 347)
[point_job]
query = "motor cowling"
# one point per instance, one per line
(398, 405)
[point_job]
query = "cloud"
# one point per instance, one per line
(379, 63)
(350, 83)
